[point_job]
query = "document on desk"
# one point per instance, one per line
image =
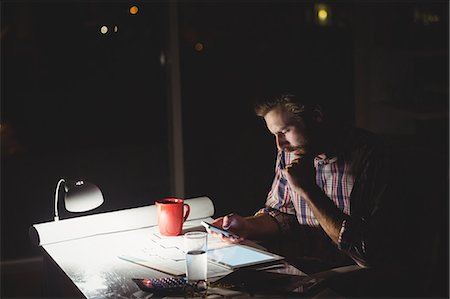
(166, 254)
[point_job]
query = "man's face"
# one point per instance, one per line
(290, 132)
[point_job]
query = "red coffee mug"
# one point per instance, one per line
(171, 215)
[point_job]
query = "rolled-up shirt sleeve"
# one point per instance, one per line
(366, 235)
(285, 221)
(370, 242)
(352, 240)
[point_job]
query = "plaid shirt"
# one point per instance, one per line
(354, 180)
(332, 176)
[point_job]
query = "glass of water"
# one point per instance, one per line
(195, 246)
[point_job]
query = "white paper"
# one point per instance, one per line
(166, 254)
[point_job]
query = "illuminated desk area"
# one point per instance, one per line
(92, 258)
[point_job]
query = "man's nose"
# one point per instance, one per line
(281, 141)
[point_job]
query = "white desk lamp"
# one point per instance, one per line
(79, 196)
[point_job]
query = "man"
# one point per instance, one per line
(330, 178)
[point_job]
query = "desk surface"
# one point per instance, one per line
(94, 266)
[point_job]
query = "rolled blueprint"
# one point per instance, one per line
(110, 222)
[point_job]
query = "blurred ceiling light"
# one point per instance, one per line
(162, 58)
(426, 17)
(104, 29)
(134, 10)
(322, 14)
(116, 28)
(199, 47)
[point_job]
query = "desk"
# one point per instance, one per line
(86, 250)
(100, 273)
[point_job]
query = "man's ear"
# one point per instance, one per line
(317, 114)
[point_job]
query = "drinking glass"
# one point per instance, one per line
(195, 246)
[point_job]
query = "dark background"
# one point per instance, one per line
(76, 103)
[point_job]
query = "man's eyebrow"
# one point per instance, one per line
(279, 130)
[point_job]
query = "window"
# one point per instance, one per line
(83, 97)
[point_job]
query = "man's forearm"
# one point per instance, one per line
(326, 212)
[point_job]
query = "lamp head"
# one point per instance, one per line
(81, 196)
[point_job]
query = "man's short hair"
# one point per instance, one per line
(289, 102)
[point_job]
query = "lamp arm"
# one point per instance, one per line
(56, 199)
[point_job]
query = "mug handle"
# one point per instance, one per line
(188, 210)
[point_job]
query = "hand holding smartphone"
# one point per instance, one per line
(219, 230)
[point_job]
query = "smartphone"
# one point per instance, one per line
(219, 230)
